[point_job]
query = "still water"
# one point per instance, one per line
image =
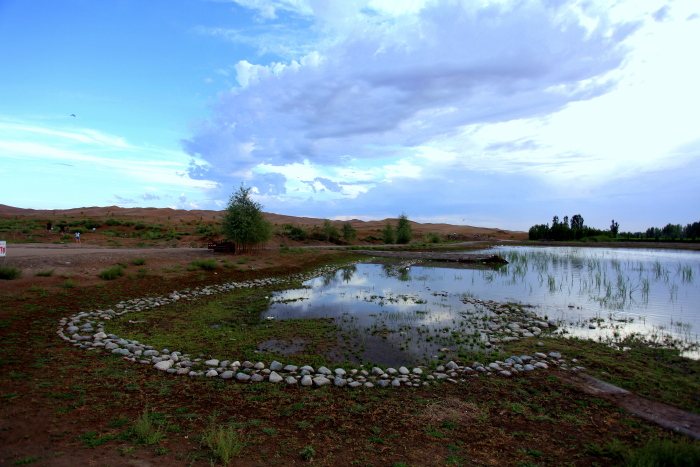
(403, 313)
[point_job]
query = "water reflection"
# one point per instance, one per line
(396, 314)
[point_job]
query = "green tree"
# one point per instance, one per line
(349, 234)
(576, 222)
(330, 231)
(243, 223)
(388, 234)
(614, 227)
(403, 230)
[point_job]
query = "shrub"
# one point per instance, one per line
(45, 273)
(9, 272)
(69, 284)
(138, 261)
(111, 273)
(145, 431)
(92, 224)
(113, 222)
(433, 237)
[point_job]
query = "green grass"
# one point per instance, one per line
(9, 272)
(145, 430)
(138, 261)
(45, 273)
(206, 264)
(111, 273)
(667, 453)
(224, 442)
(68, 284)
(656, 373)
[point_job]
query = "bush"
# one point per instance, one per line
(433, 237)
(92, 224)
(113, 222)
(224, 442)
(138, 261)
(45, 273)
(9, 272)
(111, 273)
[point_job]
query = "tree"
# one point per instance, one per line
(330, 231)
(243, 223)
(577, 222)
(403, 230)
(614, 227)
(349, 234)
(388, 234)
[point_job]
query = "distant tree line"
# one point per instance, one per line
(574, 229)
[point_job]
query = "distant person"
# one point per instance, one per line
(48, 225)
(77, 236)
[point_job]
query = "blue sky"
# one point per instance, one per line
(492, 113)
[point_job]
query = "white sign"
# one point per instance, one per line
(3, 248)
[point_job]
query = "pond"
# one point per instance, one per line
(404, 313)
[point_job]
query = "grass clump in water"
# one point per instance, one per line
(9, 272)
(111, 273)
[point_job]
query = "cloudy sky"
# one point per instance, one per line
(494, 113)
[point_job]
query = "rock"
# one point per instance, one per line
(385, 383)
(164, 365)
(212, 373)
(355, 384)
(368, 385)
(306, 381)
(323, 371)
(308, 368)
(505, 373)
(274, 377)
(226, 374)
(396, 382)
(554, 355)
(417, 371)
(377, 371)
(242, 377)
(212, 362)
(541, 365)
(290, 368)
(321, 381)
(290, 380)
(275, 366)
(340, 382)
(451, 365)
(403, 370)
(540, 355)
(257, 378)
(495, 366)
(339, 372)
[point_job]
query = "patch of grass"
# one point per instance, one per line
(45, 273)
(307, 453)
(146, 432)
(224, 442)
(111, 273)
(27, 460)
(69, 284)
(206, 264)
(138, 261)
(9, 272)
(684, 453)
(91, 439)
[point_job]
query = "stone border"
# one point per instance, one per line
(86, 331)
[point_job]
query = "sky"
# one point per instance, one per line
(490, 113)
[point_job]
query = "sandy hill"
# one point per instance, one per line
(177, 215)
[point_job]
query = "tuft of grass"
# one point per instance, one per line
(307, 453)
(138, 261)
(111, 273)
(45, 273)
(9, 272)
(68, 284)
(224, 442)
(206, 264)
(146, 432)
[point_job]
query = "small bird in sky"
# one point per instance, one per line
(72, 115)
